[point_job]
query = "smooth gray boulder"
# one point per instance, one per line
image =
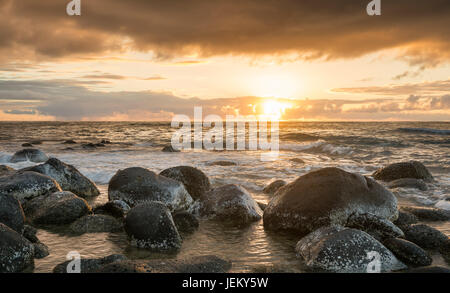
(68, 177)
(6, 170)
(328, 196)
(409, 183)
(138, 185)
(427, 214)
(115, 208)
(89, 265)
(96, 224)
(27, 185)
(58, 208)
(408, 252)
(412, 169)
(274, 186)
(377, 227)
(231, 204)
(150, 225)
(196, 264)
(32, 155)
(11, 212)
(425, 236)
(344, 250)
(193, 179)
(16, 252)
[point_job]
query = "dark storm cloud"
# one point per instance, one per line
(311, 28)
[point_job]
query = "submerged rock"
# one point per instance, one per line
(96, 224)
(377, 227)
(58, 208)
(27, 185)
(6, 170)
(274, 186)
(325, 197)
(412, 169)
(297, 161)
(345, 250)
(425, 236)
(33, 155)
(115, 208)
(408, 252)
(70, 141)
(196, 264)
(222, 163)
(169, 149)
(409, 183)
(138, 185)
(427, 214)
(89, 265)
(150, 225)
(11, 213)
(194, 180)
(185, 222)
(16, 252)
(27, 145)
(231, 204)
(67, 176)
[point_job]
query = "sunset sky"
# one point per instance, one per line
(149, 60)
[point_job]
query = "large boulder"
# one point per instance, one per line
(425, 236)
(427, 214)
(408, 252)
(196, 264)
(138, 185)
(325, 197)
(89, 265)
(68, 177)
(274, 186)
(11, 212)
(33, 155)
(150, 225)
(345, 250)
(412, 169)
(58, 208)
(232, 204)
(377, 227)
(6, 170)
(96, 224)
(185, 222)
(16, 252)
(194, 180)
(27, 185)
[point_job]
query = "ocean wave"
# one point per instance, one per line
(425, 130)
(319, 146)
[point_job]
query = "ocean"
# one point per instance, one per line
(353, 146)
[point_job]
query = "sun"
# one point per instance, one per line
(274, 110)
(274, 86)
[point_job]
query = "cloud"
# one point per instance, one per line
(65, 100)
(312, 29)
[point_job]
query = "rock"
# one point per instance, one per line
(88, 146)
(36, 142)
(412, 169)
(27, 185)
(185, 222)
(138, 185)
(405, 218)
(194, 180)
(409, 183)
(425, 236)
(427, 214)
(16, 252)
(428, 270)
(68, 149)
(150, 225)
(58, 208)
(231, 204)
(196, 264)
(222, 163)
(28, 145)
(40, 250)
(377, 227)
(5, 170)
(169, 149)
(105, 141)
(327, 197)
(408, 252)
(101, 145)
(11, 213)
(274, 186)
(68, 177)
(33, 155)
(344, 250)
(262, 205)
(90, 265)
(70, 141)
(115, 208)
(297, 161)
(445, 251)
(96, 224)
(30, 232)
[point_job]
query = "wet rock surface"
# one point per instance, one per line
(427, 214)
(193, 179)
(274, 186)
(115, 208)
(425, 236)
(185, 222)
(96, 224)
(32, 155)
(11, 212)
(408, 252)
(377, 227)
(88, 265)
(412, 169)
(16, 252)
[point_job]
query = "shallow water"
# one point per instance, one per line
(356, 147)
